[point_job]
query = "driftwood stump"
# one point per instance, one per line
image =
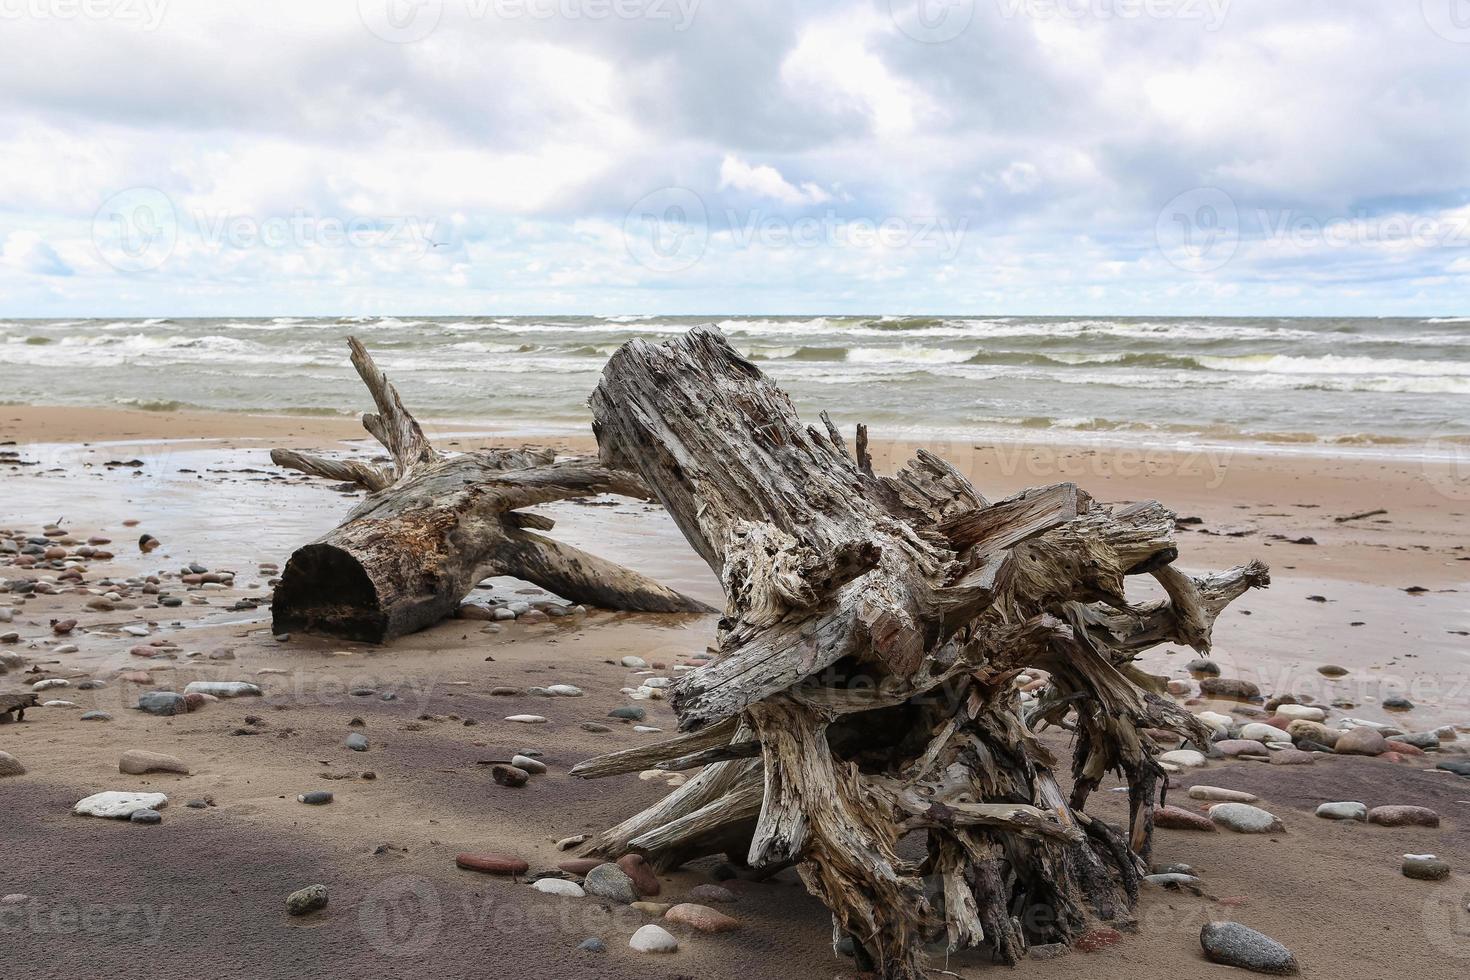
(433, 525)
(864, 688)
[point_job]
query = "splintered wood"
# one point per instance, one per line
(434, 524)
(864, 685)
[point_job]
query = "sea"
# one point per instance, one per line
(1382, 385)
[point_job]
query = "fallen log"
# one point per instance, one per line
(873, 630)
(434, 524)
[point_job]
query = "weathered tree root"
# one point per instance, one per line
(873, 631)
(433, 525)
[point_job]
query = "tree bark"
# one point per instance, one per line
(433, 525)
(873, 629)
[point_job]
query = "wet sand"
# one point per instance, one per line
(203, 893)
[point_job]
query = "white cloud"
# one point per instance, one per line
(766, 181)
(29, 252)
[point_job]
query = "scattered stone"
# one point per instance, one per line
(639, 872)
(146, 816)
(1219, 687)
(509, 776)
(580, 866)
(532, 766)
(115, 805)
(1177, 818)
(357, 742)
(701, 918)
(224, 689)
(592, 945)
(567, 843)
(1360, 741)
(713, 894)
(10, 766)
(1234, 747)
(1403, 816)
(162, 703)
(611, 882)
(1217, 794)
(96, 716)
(559, 886)
(1425, 867)
(635, 663)
(527, 719)
(1343, 811)
(1172, 880)
(1397, 704)
(1259, 731)
(1292, 757)
(595, 728)
(564, 691)
(317, 797)
(652, 939)
(136, 762)
(1245, 819)
(306, 900)
(1183, 758)
(1301, 712)
(1236, 945)
(628, 713)
(492, 864)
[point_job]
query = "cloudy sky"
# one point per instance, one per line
(209, 157)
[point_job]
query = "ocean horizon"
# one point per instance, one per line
(1399, 386)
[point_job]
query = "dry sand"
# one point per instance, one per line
(203, 894)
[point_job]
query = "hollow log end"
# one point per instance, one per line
(324, 589)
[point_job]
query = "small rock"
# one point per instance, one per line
(146, 816)
(317, 797)
(1301, 712)
(559, 886)
(714, 894)
(527, 719)
(1397, 704)
(1425, 867)
(1216, 794)
(1206, 667)
(1228, 688)
(1343, 811)
(162, 703)
(1236, 945)
(116, 805)
(1184, 758)
(136, 762)
(224, 689)
(532, 766)
(357, 742)
(1235, 747)
(492, 864)
(1403, 816)
(96, 716)
(592, 945)
(10, 766)
(1332, 670)
(611, 882)
(306, 900)
(701, 918)
(634, 663)
(642, 876)
(628, 713)
(565, 691)
(652, 939)
(1292, 757)
(1245, 819)
(510, 776)
(1360, 741)
(1177, 818)
(595, 728)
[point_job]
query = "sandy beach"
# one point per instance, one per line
(1380, 596)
